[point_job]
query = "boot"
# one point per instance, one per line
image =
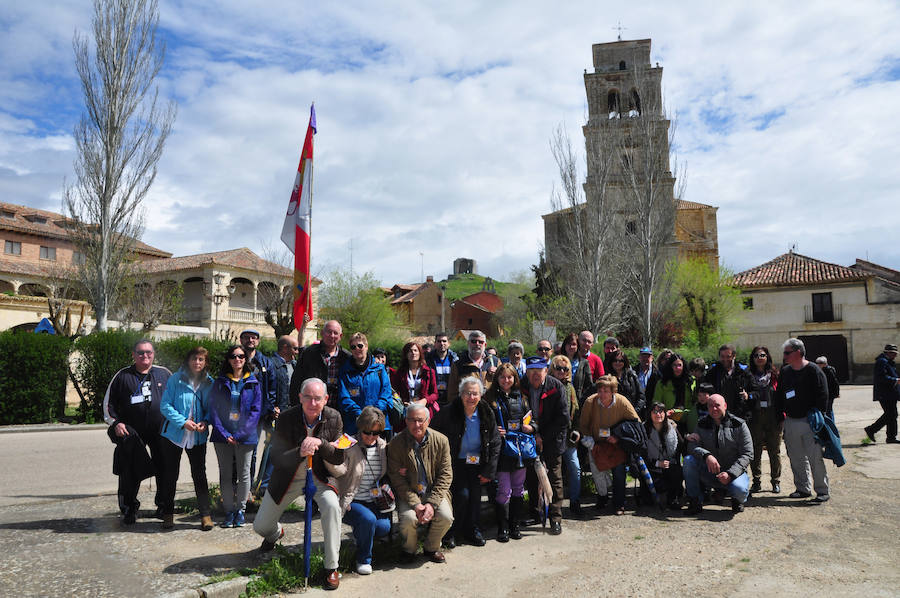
(515, 507)
(206, 523)
(502, 511)
(168, 521)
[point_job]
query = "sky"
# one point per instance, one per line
(434, 121)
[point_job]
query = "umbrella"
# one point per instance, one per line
(645, 473)
(263, 463)
(545, 491)
(309, 491)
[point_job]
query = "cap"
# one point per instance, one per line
(249, 331)
(889, 348)
(646, 351)
(534, 362)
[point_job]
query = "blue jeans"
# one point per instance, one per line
(573, 473)
(367, 525)
(696, 475)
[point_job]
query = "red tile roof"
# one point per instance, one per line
(793, 269)
(682, 204)
(27, 221)
(412, 290)
(236, 258)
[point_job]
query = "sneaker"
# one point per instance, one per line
(737, 506)
(798, 494)
(238, 519)
(695, 507)
(776, 487)
(364, 568)
(229, 520)
(822, 498)
(869, 433)
(266, 546)
(892, 441)
(756, 487)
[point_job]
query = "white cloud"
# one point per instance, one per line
(434, 121)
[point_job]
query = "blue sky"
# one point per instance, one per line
(434, 122)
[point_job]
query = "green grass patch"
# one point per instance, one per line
(223, 577)
(639, 537)
(865, 441)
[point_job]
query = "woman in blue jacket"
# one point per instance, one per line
(185, 407)
(235, 403)
(363, 381)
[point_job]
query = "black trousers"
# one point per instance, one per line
(130, 485)
(888, 418)
(466, 490)
(170, 470)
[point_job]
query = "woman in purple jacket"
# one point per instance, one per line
(235, 403)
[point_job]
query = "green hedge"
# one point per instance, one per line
(32, 377)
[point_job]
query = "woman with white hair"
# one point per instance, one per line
(470, 427)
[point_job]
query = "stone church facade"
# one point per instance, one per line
(622, 87)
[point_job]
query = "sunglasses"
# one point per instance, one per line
(371, 432)
(359, 346)
(789, 352)
(560, 368)
(237, 356)
(760, 356)
(659, 410)
(476, 342)
(145, 352)
(543, 349)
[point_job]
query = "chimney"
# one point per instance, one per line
(429, 279)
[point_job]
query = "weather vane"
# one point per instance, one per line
(620, 29)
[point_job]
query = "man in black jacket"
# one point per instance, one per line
(322, 361)
(731, 380)
(886, 390)
(550, 420)
(834, 387)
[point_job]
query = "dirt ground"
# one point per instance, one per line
(778, 546)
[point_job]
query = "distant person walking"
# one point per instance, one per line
(886, 390)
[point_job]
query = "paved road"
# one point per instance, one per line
(60, 535)
(49, 465)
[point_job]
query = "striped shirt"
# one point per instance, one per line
(370, 471)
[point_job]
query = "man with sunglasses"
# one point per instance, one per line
(474, 362)
(131, 408)
(802, 387)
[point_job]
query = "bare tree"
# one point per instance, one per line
(120, 139)
(149, 304)
(63, 295)
(642, 136)
(585, 238)
(277, 302)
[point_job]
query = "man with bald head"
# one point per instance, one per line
(718, 454)
(323, 361)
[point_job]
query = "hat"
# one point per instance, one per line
(889, 348)
(249, 331)
(534, 362)
(646, 351)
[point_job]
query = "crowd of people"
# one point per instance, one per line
(429, 439)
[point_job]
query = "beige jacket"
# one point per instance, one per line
(351, 470)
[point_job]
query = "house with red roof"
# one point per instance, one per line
(846, 313)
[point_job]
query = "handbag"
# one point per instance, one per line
(517, 444)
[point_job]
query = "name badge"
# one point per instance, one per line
(473, 459)
(234, 416)
(137, 399)
(603, 433)
(332, 381)
(376, 492)
(354, 392)
(790, 394)
(764, 403)
(513, 426)
(420, 488)
(145, 390)
(442, 386)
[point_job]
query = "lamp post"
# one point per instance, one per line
(218, 296)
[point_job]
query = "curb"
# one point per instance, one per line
(50, 428)
(231, 588)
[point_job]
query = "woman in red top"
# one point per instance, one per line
(414, 380)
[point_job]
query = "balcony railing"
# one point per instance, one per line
(835, 315)
(243, 315)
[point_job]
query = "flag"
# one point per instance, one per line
(295, 233)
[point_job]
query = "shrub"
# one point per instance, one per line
(33, 370)
(170, 353)
(102, 354)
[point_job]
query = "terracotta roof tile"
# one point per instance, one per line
(793, 269)
(410, 295)
(28, 221)
(682, 204)
(236, 258)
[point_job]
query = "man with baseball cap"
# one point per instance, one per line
(886, 390)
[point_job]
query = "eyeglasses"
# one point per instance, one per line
(476, 342)
(658, 410)
(560, 368)
(370, 432)
(789, 352)
(359, 346)
(760, 356)
(145, 352)
(236, 356)
(416, 420)
(543, 349)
